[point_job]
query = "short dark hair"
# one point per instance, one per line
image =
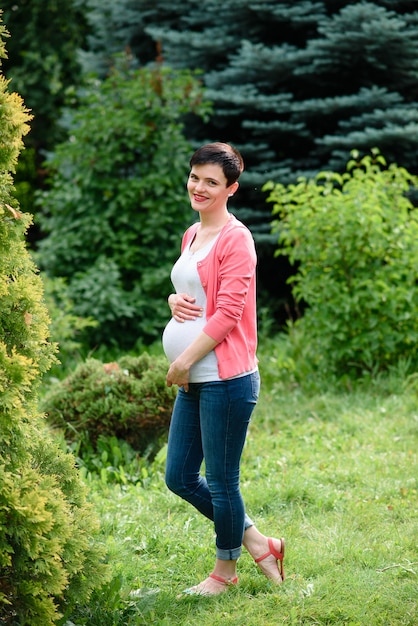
(222, 154)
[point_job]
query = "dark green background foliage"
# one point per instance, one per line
(42, 59)
(295, 85)
(117, 204)
(66, 328)
(128, 399)
(354, 238)
(43, 65)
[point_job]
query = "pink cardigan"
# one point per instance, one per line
(228, 278)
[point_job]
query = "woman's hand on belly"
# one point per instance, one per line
(183, 308)
(179, 371)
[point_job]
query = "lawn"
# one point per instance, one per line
(334, 472)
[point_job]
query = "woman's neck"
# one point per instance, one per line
(214, 222)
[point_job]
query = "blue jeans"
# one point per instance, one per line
(210, 423)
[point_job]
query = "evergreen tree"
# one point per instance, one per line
(49, 558)
(298, 85)
(116, 27)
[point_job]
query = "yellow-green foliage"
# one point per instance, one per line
(49, 557)
(354, 240)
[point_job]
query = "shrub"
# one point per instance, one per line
(127, 399)
(354, 239)
(51, 558)
(49, 554)
(66, 327)
(116, 205)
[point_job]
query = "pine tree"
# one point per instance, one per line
(298, 85)
(116, 27)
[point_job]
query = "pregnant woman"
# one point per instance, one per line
(211, 343)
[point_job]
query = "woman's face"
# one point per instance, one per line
(207, 188)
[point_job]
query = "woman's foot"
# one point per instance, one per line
(267, 552)
(213, 585)
(271, 562)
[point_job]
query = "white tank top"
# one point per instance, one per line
(177, 336)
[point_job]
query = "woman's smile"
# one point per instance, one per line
(199, 197)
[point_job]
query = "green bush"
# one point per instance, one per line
(116, 205)
(66, 327)
(354, 241)
(50, 557)
(127, 399)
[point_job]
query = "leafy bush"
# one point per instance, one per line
(66, 327)
(113, 460)
(127, 399)
(49, 554)
(354, 240)
(117, 206)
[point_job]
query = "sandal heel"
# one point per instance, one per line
(279, 556)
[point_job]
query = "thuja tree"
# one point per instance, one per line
(354, 239)
(49, 558)
(117, 203)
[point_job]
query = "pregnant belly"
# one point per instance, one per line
(177, 336)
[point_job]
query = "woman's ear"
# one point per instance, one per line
(233, 188)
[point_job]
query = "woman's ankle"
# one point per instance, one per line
(254, 542)
(225, 569)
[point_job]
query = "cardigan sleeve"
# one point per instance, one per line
(235, 267)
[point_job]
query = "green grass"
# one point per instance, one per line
(334, 473)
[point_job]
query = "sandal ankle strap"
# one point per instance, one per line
(224, 581)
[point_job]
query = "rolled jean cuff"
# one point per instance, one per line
(228, 555)
(248, 522)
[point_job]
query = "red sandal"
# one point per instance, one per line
(227, 582)
(279, 556)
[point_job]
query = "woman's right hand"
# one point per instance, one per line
(183, 308)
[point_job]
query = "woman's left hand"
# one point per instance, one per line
(178, 374)
(179, 370)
